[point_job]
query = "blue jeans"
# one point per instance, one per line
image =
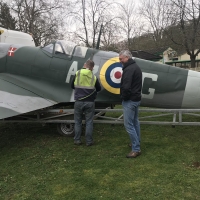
(131, 122)
(87, 108)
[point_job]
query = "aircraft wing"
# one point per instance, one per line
(16, 99)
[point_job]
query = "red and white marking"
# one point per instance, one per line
(11, 51)
(116, 74)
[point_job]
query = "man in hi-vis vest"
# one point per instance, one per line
(86, 86)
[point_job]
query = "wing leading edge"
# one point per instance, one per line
(15, 100)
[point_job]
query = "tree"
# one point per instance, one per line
(154, 13)
(186, 16)
(6, 19)
(110, 36)
(144, 42)
(88, 16)
(42, 18)
(130, 22)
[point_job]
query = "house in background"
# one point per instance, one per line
(157, 55)
(145, 55)
(166, 55)
(184, 61)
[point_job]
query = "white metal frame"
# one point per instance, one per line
(98, 118)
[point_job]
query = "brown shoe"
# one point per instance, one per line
(133, 154)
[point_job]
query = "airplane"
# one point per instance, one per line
(16, 37)
(35, 78)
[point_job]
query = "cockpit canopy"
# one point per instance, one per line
(66, 48)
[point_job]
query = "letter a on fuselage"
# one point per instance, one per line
(72, 71)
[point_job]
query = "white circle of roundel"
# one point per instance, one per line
(112, 74)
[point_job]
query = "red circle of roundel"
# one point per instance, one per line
(118, 75)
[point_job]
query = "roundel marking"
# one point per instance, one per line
(110, 75)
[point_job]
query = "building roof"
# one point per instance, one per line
(180, 61)
(157, 51)
(145, 55)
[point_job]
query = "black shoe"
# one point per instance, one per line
(77, 143)
(90, 144)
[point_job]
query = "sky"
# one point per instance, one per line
(122, 1)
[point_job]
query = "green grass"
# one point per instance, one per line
(37, 163)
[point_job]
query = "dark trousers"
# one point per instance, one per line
(87, 108)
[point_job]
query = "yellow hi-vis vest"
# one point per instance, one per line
(84, 84)
(85, 79)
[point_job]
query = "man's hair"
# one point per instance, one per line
(126, 53)
(89, 64)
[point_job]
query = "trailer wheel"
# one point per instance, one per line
(66, 129)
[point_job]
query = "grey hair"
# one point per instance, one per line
(126, 53)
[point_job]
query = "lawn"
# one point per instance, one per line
(36, 163)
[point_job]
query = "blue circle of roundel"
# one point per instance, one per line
(107, 75)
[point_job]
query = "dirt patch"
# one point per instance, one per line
(196, 165)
